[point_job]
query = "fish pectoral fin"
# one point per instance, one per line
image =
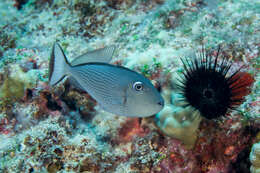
(124, 100)
(118, 98)
(99, 55)
(108, 107)
(120, 101)
(113, 98)
(125, 96)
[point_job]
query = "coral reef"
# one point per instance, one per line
(6, 40)
(180, 123)
(62, 129)
(19, 3)
(255, 158)
(11, 90)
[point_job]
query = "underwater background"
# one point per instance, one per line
(62, 129)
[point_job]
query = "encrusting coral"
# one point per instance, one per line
(255, 158)
(14, 84)
(11, 90)
(179, 123)
(62, 129)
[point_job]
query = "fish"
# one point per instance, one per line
(116, 89)
(99, 55)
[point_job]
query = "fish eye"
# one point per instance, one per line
(138, 86)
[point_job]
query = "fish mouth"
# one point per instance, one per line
(161, 103)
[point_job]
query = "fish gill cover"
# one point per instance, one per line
(63, 129)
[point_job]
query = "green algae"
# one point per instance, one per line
(11, 90)
(215, 29)
(14, 82)
(85, 8)
(7, 41)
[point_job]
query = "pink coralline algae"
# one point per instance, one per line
(4, 126)
(62, 129)
(216, 150)
(130, 129)
(178, 159)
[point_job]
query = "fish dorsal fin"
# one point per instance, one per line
(99, 55)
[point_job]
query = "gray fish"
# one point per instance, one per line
(117, 89)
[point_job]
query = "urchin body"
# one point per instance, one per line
(206, 86)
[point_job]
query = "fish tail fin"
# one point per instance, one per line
(58, 66)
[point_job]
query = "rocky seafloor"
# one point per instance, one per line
(62, 129)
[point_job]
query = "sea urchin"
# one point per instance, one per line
(207, 87)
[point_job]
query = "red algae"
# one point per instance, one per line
(47, 104)
(3, 124)
(53, 130)
(216, 149)
(178, 158)
(130, 129)
(218, 146)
